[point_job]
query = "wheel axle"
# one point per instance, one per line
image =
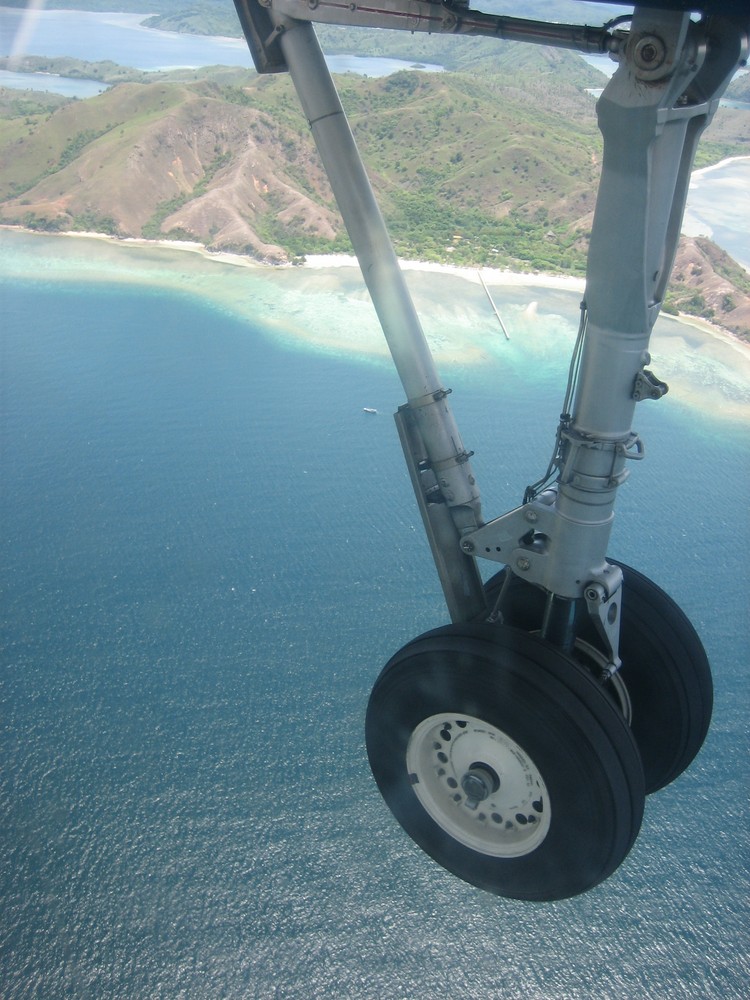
(479, 782)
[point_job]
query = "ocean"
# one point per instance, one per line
(210, 551)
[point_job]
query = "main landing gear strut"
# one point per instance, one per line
(517, 744)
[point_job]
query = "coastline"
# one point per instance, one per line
(716, 166)
(325, 262)
(323, 306)
(318, 262)
(493, 276)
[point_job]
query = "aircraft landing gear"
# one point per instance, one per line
(665, 673)
(520, 762)
(505, 761)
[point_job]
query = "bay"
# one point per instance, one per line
(65, 85)
(122, 38)
(208, 553)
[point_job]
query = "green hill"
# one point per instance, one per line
(492, 169)
(228, 160)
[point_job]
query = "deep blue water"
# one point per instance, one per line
(209, 551)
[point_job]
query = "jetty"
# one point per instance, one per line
(494, 307)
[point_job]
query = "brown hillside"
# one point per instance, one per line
(706, 281)
(250, 183)
(166, 158)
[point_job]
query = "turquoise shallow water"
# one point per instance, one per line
(209, 551)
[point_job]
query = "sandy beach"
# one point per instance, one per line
(493, 276)
(318, 262)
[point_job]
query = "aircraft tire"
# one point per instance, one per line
(505, 761)
(665, 669)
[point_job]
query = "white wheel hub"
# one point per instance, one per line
(478, 785)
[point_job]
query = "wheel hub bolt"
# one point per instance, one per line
(478, 784)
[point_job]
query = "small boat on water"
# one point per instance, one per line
(368, 409)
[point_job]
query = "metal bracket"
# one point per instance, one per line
(648, 386)
(543, 546)
(604, 610)
(262, 37)
(457, 570)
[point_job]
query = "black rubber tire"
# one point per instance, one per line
(664, 668)
(551, 708)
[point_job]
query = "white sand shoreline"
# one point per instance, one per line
(716, 166)
(494, 276)
(326, 262)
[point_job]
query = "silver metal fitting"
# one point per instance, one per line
(649, 53)
(648, 386)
